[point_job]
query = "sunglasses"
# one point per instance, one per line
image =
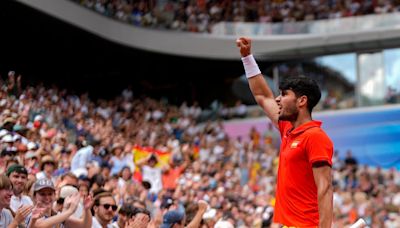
(107, 206)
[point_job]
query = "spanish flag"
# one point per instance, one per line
(140, 153)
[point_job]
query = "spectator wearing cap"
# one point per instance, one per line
(5, 196)
(47, 167)
(31, 162)
(66, 191)
(8, 141)
(173, 219)
(19, 177)
(5, 157)
(176, 218)
(104, 210)
(8, 124)
(44, 198)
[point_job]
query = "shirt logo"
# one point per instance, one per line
(294, 144)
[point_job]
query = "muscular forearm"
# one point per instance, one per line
(325, 207)
(259, 88)
(323, 180)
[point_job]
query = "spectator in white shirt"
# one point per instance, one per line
(18, 176)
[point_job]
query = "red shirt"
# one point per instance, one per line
(170, 178)
(296, 193)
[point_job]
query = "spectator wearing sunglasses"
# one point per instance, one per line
(104, 209)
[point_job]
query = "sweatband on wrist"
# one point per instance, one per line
(250, 66)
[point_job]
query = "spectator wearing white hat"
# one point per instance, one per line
(66, 191)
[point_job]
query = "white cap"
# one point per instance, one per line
(7, 138)
(31, 146)
(38, 118)
(3, 132)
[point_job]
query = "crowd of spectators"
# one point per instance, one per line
(201, 15)
(65, 158)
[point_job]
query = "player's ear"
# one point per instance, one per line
(302, 100)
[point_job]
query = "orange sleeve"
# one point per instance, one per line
(319, 148)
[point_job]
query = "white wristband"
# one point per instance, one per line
(250, 66)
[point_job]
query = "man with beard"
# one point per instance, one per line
(304, 185)
(104, 208)
(18, 175)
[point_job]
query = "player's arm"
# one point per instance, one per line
(258, 86)
(322, 172)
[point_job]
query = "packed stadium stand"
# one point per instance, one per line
(156, 110)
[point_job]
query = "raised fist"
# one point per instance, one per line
(244, 45)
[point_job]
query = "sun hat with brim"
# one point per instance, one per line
(8, 120)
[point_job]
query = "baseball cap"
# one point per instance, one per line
(31, 146)
(42, 184)
(7, 138)
(38, 118)
(17, 168)
(166, 202)
(171, 218)
(3, 132)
